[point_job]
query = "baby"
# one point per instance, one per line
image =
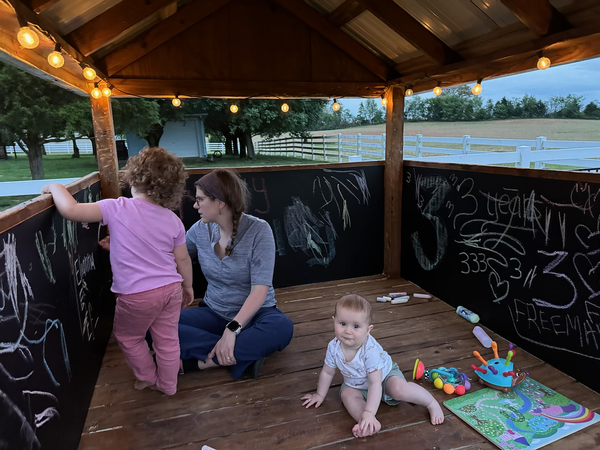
(370, 375)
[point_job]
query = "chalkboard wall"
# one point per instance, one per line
(327, 222)
(55, 319)
(521, 252)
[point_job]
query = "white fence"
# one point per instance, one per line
(343, 147)
(85, 146)
(215, 147)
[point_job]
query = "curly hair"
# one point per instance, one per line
(158, 174)
(232, 190)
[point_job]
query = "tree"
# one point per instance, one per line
(369, 113)
(30, 111)
(591, 111)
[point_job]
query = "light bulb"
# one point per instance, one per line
(233, 108)
(107, 92)
(89, 74)
(28, 38)
(176, 102)
(437, 91)
(56, 60)
(285, 107)
(543, 63)
(336, 105)
(477, 89)
(408, 92)
(96, 93)
(383, 101)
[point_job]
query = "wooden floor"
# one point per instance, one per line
(211, 408)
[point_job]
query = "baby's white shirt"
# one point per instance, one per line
(370, 357)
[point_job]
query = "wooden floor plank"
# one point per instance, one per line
(211, 408)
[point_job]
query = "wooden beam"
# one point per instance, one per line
(413, 31)
(103, 29)
(161, 33)
(392, 183)
(560, 53)
(538, 15)
(106, 146)
(574, 35)
(39, 6)
(49, 27)
(243, 89)
(346, 12)
(337, 37)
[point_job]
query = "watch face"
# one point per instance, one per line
(233, 326)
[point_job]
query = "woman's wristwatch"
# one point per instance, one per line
(234, 326)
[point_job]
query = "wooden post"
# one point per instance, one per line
(394, 128)
(104, 132)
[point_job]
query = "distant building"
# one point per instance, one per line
(185, 139)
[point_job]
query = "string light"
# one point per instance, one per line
(89, 73)
(437, 90)
(234, 109)
(285, 107)
(336, 106)
(176, 102)
(384, 100)
(543, 62)
(408, 92)
(107, 91)
(27, 37)
(56, 59)
(96, 92)
(477, 88)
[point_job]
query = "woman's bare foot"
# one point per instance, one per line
(435, 412)
(140, 385)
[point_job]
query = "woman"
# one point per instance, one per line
(238, 323)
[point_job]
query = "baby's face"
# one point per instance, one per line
(351, 327)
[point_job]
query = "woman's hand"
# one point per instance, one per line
(224, 349)
(105, 243)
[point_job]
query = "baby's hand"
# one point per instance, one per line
(312, 399)
(368, 425)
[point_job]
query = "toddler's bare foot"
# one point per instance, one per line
(140, 385)
(356, 431)
(156, 388)
(435, 412)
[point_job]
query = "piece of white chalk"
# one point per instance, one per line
(397, 294)
(382, 299)
(400, 300)
(422, 295)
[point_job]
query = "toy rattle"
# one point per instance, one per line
(450, 380)
(499, 373)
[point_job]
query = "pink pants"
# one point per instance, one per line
(156, 310)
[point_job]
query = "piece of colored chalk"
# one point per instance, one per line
(422, 295)
(382, 299)
(395, 301)
(397, 294)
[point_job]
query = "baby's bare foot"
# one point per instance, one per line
(435, 412)
(140, 385)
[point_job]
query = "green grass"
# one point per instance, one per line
(63, 166)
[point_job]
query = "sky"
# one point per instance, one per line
(580, 78)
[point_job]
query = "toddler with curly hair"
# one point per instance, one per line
(152, 270)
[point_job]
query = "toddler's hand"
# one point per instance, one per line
(312, 399)
(188, 297)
